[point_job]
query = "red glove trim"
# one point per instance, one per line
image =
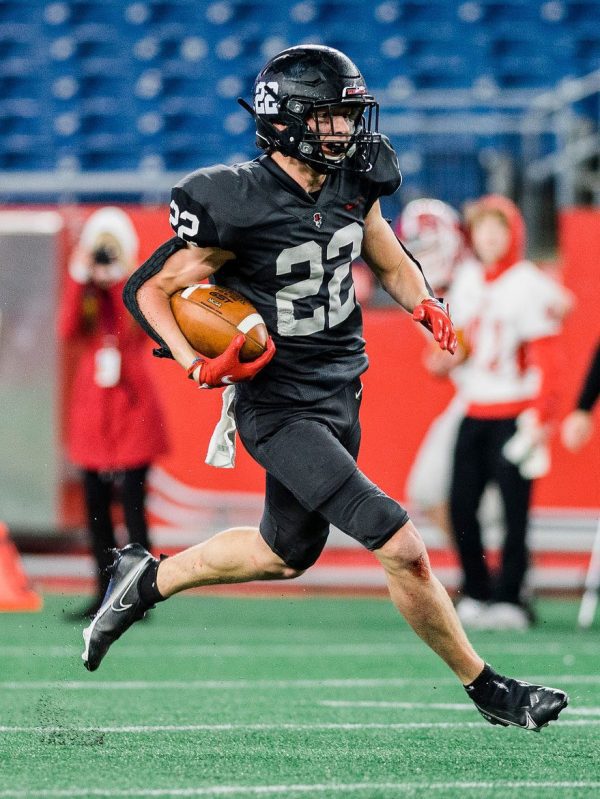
(227, 367)
(194, 365)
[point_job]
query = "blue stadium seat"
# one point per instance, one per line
(24, 152)
(107, 151)
(113, 82)
(15, 11)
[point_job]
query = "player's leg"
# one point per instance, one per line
(470, 475)
(424, 602)
(362, 510)
(238, 555)
(138, 581)
(289, 540)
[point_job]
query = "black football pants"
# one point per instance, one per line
(478, 460)
(99, 490)
(309, 453)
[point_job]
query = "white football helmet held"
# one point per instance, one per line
(431, 230)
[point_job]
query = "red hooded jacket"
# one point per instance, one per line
(119, 427)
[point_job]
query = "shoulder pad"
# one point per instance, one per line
(204, 184)
(209, 201)
(386, 170)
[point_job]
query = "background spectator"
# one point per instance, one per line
(115, 427)
(432, 231)
(511, 315)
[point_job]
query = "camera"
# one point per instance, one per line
(104, 255)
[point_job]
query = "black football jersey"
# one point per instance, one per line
(293, 257)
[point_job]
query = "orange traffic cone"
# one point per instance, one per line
(15, 592)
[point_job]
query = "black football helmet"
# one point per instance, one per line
(317, 83)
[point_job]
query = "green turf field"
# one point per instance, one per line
(285, 697)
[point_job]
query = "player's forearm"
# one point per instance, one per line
(398, 274)
(405, 284)
(148, 292)
(155, 304)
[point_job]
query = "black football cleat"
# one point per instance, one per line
(515, 703)
(121, 606)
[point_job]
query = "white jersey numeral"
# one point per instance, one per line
(184, 231)
(334, 311)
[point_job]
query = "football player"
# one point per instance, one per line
(511, 312)
(284, 230)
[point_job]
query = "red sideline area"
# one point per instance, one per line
(400, 399)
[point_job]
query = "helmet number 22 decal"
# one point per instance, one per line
(334, 311)
(265, 97)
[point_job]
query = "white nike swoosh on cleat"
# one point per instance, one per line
(120, 607)
(530, 723)
(122, 589)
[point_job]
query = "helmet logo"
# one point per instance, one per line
(265, 97)
(318, 219)
(353, 91)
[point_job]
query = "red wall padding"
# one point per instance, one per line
(400, 398)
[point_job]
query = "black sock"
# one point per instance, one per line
(483, 684)
(149, 593)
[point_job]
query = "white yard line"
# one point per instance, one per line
(219, 685)
(287, 790)
(145, 729)
(223, 685)
(399, 705)
(571, 711)
(283, 726)
(283, 649)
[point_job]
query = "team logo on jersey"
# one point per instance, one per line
(354, 204)
(318, 219)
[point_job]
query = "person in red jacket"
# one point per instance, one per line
(115, 427)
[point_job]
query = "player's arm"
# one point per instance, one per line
(183, 268)
(402, 278)
(399, 275)
(177, 265)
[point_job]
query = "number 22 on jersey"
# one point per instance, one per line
(333, 310)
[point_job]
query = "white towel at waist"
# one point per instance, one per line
(221, 448)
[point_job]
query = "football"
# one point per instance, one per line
(210, 317)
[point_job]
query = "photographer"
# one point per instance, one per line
(114, 424)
